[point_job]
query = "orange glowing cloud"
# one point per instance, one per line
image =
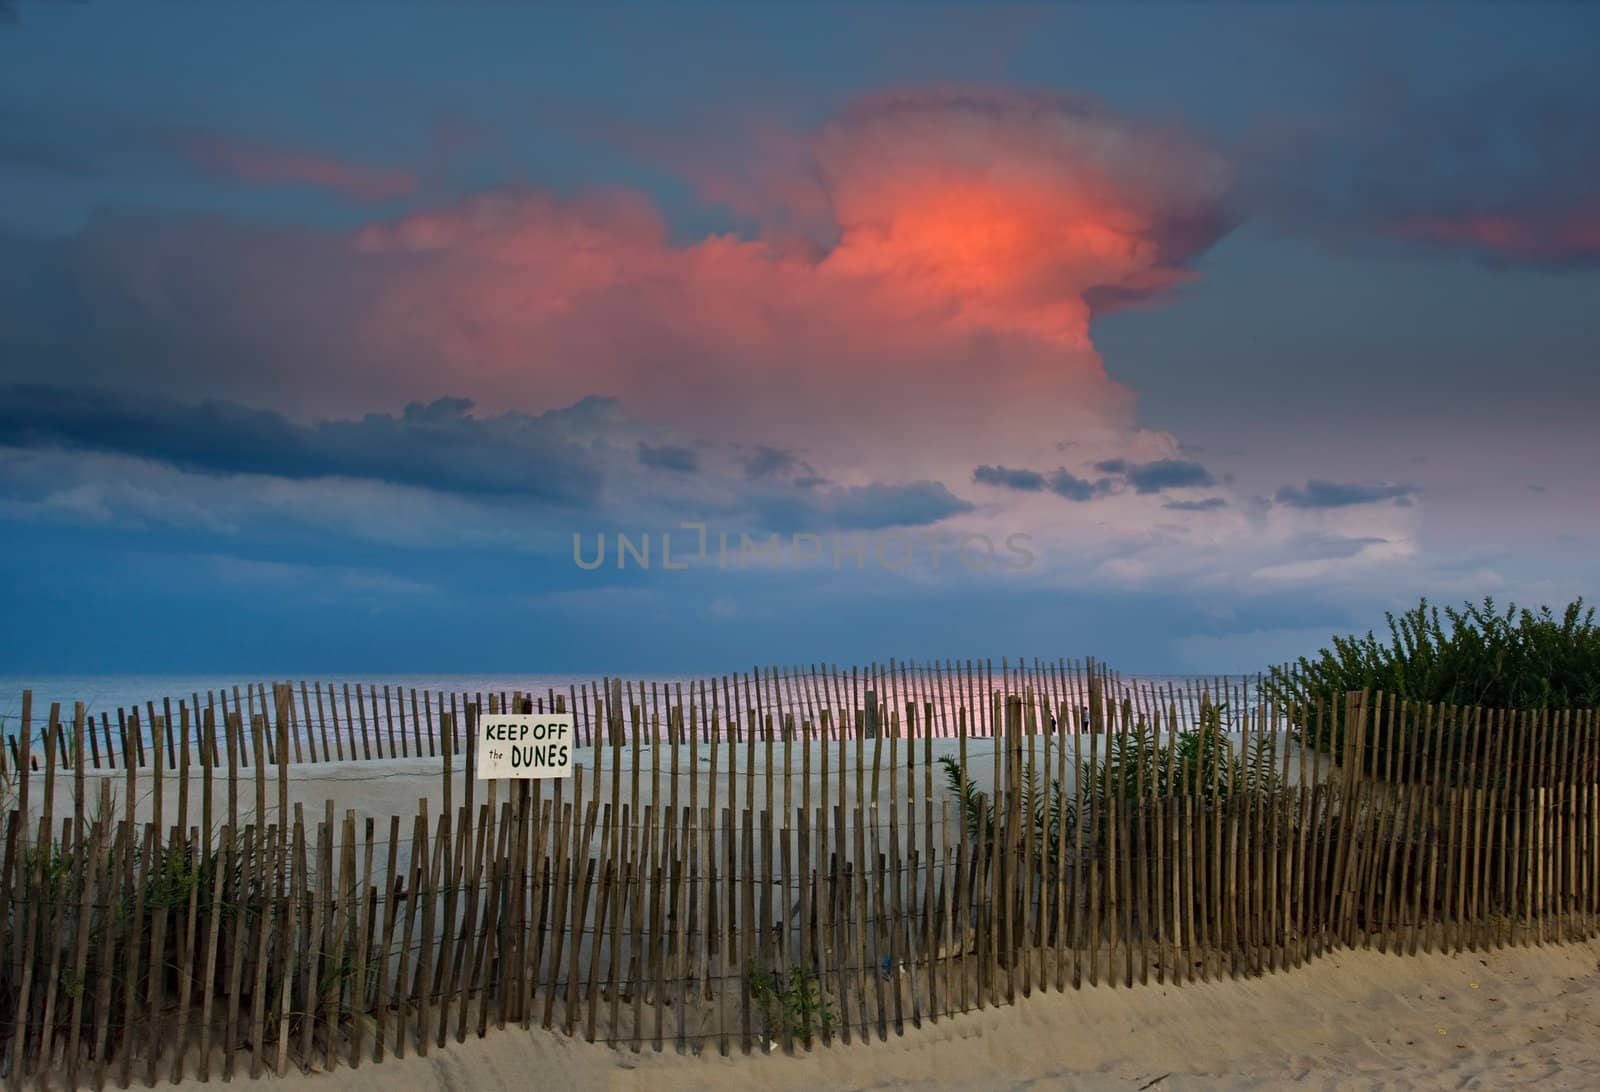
(1018, 208)
(913, 300)
(969, 239)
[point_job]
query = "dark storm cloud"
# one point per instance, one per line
(1322, 494)
(1028, 481)
(1074, 488)
(1152, 477)
(870, 507)
(767, 462)
(675, 457)
(438, 445)
(1159, 475)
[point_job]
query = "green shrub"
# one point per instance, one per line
(1478, 656)
(1511, 659)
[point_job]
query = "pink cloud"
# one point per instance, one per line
(969, 239)
(1501, 171)
(263, 164)
(933, 314)
(1019, 206)
(1550, 237)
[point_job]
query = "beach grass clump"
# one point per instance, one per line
(1202, 763)
(120, 934)
(793, 1004)
(1138, 767)
(1043, 804)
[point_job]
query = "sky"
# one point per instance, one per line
(509, 337)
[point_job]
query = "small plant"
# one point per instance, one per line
(977, 810)
(339, 994)
(1202, 764)
(1052, 814)
(1046, 805)
(794, 1006)
(50, 866)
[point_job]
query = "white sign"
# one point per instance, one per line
(524, 745)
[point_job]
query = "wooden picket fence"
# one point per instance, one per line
(365, 722)
(777, 863)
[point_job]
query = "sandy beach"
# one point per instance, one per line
(1356, 1019)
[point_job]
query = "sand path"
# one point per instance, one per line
(1352, 1020)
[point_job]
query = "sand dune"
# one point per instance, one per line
(1352, 1020)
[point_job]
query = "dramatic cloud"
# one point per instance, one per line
(931, 316)
(963, 242)
(1208, 504)
(1017, 211)
(966, 239)
(1321, 494)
